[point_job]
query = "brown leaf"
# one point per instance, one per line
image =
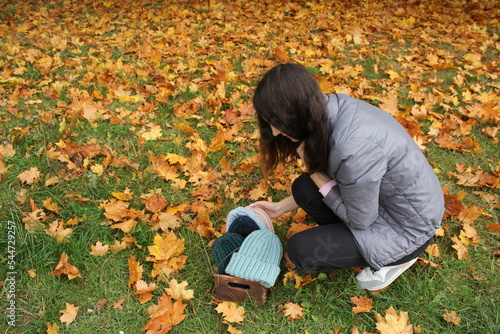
(101, 303)
(64, 267)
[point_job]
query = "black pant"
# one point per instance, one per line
(331, 245)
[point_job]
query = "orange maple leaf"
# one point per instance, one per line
(231, 311)
(135, 270)
(462, 252)
(164, 315)
(363, 304)
(144, 290)
(293, 311)
(64, 267)
(154, 202)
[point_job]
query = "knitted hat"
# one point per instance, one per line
(245, 211)
(258, 258)
(223, 248)
(263, 216)
(243, 225)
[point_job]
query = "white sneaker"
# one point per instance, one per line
(376, 280)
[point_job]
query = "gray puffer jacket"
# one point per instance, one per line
(387, 194)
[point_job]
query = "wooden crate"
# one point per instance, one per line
(231, 288)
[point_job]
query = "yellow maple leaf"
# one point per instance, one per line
(393, 322)
(52, 329)
(433, 250)
(125, 226)
(153, 133)
(164, 248)
(126, 195)
(69, 314)
(179, 290)
(231, 311)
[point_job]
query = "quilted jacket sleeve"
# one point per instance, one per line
(358, 166)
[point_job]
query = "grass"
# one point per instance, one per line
(101, 50)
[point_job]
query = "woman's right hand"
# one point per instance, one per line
(276, 209)
(271, 208)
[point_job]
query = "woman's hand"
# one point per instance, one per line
(276, 209)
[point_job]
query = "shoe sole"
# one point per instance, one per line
(386, 284)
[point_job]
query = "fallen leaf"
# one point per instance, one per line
(64, 267)
(99, 249)
(69, 314)
(433, 250)
(452, 317)
(52, 329)
(57, 231)
(119, 304)
(363, 304)
(231, 311)
(30, 176)
(393, 323)
(293, 311)
(101, 303)
(179, 290)
(135, 270)
(164, 315)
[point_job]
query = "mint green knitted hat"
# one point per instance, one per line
(258, 258)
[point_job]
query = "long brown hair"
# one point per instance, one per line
(289, 98)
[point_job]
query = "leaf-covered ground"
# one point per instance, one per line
(127, 135)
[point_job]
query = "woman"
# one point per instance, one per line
(370, 189)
